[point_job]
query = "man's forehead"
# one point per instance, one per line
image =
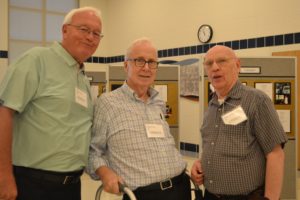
(143, 51)
(221, 52)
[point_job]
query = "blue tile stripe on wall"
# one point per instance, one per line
(189, 147)
(268, 41)
(3, 54)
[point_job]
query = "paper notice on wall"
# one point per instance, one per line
(285, 119)
(162, 91)
(266, 88)
(189, 80)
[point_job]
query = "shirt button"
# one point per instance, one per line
(212, 143)
(208, 162)
(210, 181)
(219, 109)
(216, 126)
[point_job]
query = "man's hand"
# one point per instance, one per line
(110, 180)
(8, 188)
(197, 173)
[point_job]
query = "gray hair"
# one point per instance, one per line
(69, 16)
(142, 40)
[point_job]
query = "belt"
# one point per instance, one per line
(259, 192)
(64, 178)
(163, 185)
(212, 196)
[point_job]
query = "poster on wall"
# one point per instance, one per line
(162, 91)
(189, 80)
(282, 93)
(285, 119)
(266, 88)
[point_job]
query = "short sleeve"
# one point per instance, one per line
(20, 83)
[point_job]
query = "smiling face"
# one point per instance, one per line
(222, 68)
(79, 44)
(140, 78)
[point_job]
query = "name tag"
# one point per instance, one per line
(81, 97)
(234, 117)
(154, 130)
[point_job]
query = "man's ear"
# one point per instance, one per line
(238, 64)
(126, 66)
(64, 28)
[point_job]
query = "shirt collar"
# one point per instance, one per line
(131, 93)
(234, 93)
(64, 54)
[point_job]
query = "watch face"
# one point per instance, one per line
(205, 33)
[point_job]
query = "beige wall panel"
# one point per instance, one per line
(3, 24)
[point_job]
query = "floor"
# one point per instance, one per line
(89, 186)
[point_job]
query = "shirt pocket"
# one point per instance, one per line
(235, 140)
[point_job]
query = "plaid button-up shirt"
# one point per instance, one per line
(120, 140)
(234, 156)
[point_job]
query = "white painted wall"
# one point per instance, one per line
(3, 35)
(174, 23)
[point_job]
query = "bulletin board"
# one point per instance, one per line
(98, 83)
(274, 76)
(115, 84)
(171, 98)
(166, 81)
(101, 88)
(295, 54)
(172, 101)
(283, 98)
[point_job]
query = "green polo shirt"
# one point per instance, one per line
(52, 127)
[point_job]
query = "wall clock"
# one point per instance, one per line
(205, 33)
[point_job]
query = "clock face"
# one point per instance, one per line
(205, 33)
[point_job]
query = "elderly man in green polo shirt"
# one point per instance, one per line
(46, 114)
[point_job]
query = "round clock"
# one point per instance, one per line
(205, 33)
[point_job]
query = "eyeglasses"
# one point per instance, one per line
(221, 62)
(87, 31)
(139, 62)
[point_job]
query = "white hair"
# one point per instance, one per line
(69, 16)
(142, 40)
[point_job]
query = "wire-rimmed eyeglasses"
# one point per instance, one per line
(139, 62)
(87, 31)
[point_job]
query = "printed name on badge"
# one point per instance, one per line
(234, 117)
(154, 130)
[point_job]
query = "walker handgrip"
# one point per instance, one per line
(123, 188)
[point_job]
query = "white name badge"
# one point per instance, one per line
(81, 97)
(235, 116)
(154, 130)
